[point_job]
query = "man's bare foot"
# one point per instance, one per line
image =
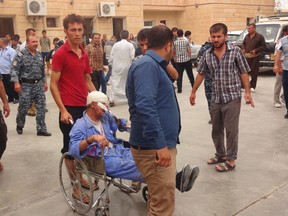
(76, 195)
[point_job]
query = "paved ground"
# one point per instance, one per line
(29, 184)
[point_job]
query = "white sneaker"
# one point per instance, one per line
(277, 105)
(252, 90)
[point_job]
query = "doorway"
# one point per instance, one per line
(6, 26)
(117, 27)
(88, 29)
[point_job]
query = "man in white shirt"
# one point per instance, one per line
(121, 57)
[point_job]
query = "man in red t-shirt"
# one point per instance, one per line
(70, 76)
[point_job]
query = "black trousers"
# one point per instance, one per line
(3, 134)
(9, 88)
(76, 112)
(254, 66)
(180, 68)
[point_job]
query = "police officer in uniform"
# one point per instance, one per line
(29, 79)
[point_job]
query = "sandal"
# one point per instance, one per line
(215, 160)
(85, 197)
(224, 167)
(85, 184)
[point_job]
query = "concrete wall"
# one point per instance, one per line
(198, 15)
(130, 10)
(194, 15)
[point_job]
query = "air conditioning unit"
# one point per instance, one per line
(36, 7)
(106, 9)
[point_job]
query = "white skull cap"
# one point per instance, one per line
(96, 96)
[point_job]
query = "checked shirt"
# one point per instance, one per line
(181, 47)
(225, 72)
(95, 53)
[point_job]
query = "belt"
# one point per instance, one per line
(142, 147)
(33, 81)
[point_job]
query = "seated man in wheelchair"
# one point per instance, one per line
(97, 130)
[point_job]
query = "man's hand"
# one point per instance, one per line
(103, 142)
(65, 116)
(6, 110)
(248, 99)
(277, 69)
(253, 52)
(192, 99)
(17, 87)
(45, 86)
(164, 157)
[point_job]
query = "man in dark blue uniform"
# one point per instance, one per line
(29, 79)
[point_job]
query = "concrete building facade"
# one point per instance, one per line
(194, 15)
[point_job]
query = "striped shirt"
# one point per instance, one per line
(95, 53)
(181, 47)
(225, 72)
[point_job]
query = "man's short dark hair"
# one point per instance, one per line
(143, 34)
(56, 39)
(15, 38)
(29, 30)
(187, 33)
(180, 33)
(285, 29)
(217, 27)
(253, 25)
(93, 34)
(44, 31)
(159, 36)
(124, 34)
(73, 18)
(174, 29)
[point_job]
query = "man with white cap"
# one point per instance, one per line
(97, 130)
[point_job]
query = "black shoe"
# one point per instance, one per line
(286, 116)
(19, 130)
(15, 101)
(179, 91)
(46, 110)
(183, 178)
(43, 133)
(193, 177)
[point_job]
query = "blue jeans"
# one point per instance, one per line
(44, 56)
(285, 86)
(108, 74)
(98, 79)
(103, 83)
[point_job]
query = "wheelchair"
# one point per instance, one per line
(91, 169)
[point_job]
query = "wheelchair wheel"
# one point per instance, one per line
(145, 193)
(102, 212)
(70, 174)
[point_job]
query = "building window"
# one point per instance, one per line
(6, 26)
(148, 23)
(51, 22)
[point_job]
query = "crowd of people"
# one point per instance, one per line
(141, 72)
